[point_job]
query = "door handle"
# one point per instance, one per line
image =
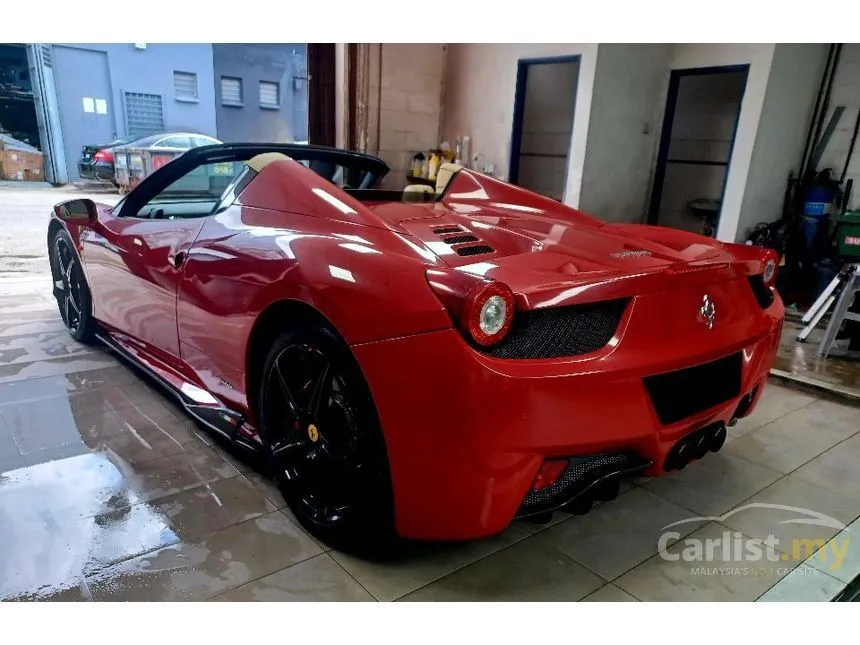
(176, 259)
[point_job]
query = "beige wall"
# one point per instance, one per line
(628, 96)
(787, 111)
(480, 83)
(411, 103)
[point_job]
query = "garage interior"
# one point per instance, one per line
(109, 491)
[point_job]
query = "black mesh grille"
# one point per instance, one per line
(477, 249)
(447, 229)
(581, 474)
(459, 239)
(560, 331)
(678, 395)
(763, 294)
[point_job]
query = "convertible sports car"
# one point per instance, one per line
(419, 364)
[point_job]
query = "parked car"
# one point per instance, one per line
(97, 162)
(429, 363)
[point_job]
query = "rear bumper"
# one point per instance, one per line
(466, 434)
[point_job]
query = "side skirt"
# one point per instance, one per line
(199, 403)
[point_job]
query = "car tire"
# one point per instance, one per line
(324, 443)
(71, 289)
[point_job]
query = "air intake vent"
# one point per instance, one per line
(477, 249)
(448, 229)
(459, 239)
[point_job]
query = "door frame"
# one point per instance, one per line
(666, 132)
(523, 65)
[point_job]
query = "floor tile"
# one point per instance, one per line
(213, 506)
(37, 369)
(840, 556)
(204, 568)
(40, 346)
(531, 570)
(804, 584)
(319, 579)
(195, 465)
(700, 579)
(609, 593)
(792, 509)
(618, 535)
(713, 485)
(46, 550)
(74, 592)
(10, 456)
(792, 440)
(838, 469)
(392, 580)
(267, 487)
(776, 401)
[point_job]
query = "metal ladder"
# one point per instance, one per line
(849, 281)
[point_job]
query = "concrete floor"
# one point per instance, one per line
(109, 492)
(24, 211)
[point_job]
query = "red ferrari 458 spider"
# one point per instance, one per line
(422, 363)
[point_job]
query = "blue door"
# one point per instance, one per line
(85, 101)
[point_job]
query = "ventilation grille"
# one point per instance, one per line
(143, 113)
(448, 229)
(477, 249)
(459, 239)
(185, 85)
(560, 331)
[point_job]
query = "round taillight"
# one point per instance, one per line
(769, 271)
(488, 313)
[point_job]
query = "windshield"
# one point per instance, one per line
(206, 182)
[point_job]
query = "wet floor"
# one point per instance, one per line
(109, 492)
(837, 373)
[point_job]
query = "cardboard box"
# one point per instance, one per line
(20, 161)
(16, 165)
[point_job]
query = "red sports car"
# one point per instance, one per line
(418, 364)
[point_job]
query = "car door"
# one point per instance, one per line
(134, 254)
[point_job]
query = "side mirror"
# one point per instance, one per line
(80, 210)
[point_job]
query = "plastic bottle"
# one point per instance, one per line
(434, 165)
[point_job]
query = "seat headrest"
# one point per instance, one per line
(260, 161)
(443, 176)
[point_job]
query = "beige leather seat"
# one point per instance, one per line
(417, 193)
(446, 171)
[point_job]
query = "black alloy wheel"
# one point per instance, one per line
(324, 443)
(70, 289)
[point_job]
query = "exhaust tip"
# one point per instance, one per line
(607, 491)
(579, 506)
(718, 438)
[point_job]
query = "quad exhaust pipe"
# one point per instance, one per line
(696, 445)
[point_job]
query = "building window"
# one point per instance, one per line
(185, 86)
(231, 90)
(269, 95)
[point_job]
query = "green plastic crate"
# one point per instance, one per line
(848, 234)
